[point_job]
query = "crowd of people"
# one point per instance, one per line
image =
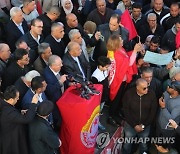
(43, 42)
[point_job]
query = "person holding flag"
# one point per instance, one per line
(122, 69)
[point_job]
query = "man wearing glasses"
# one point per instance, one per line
(140, 106)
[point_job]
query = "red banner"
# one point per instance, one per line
(80, 118)
(127, 22)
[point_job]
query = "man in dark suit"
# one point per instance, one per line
(44, 139)
(55, 39)
(16, 27)
(75, 63)
(12, 123)
(41, 62)
(16, 69)
(34, 37)
(55, 85)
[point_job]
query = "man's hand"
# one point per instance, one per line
(162, 103)
(63, 78)
(138, 128)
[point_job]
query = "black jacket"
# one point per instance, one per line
(44, 140)
(139, 109)
(12, 131)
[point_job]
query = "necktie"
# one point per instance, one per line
(62, 86)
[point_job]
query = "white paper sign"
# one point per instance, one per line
(158, 59)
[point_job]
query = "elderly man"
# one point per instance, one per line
(29, 10)
(4, 56)
(159, 9)
(34, 37)
(138, 103)
(55, 85)
(101, 14)
(75, 36)
(151, 28)
(23, 83)
(41, 62)
(48, 19)
(16, 27)
(74, 62)
(55, 39)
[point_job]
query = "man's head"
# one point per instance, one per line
(36, 27)
(29, 5)
(57, 30)
(75, 36)
(158, 5)
(101, 6)
(141, 86)
(53, 13)
(21, 56)
(71, 20)
(152, 20)
(147, 74)
(174, 9)
(55, 63)
(38, 84)
(11, 95)
(45, 108)
(44, 51)
(173, 88)
(114, 22)
(136, 10)
(177, 25)
(74, 49)
(29, 76)
(5, 51)
(127, 3)
(154, 44)
(16, 15)
(22, 44)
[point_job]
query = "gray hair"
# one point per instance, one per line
(42, 47)
(72, 33)
(146, 70)
(151, 15)
(14, 10)
(71, 45)
(55, 25)
(52, 59)
(54, 9)
(2, 45)
(31, 74)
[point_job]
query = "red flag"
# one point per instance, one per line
(178, 39)
(118, 69)
(127, 22)
(39, 8)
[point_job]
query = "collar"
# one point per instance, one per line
(59, 40)
(55, 73)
